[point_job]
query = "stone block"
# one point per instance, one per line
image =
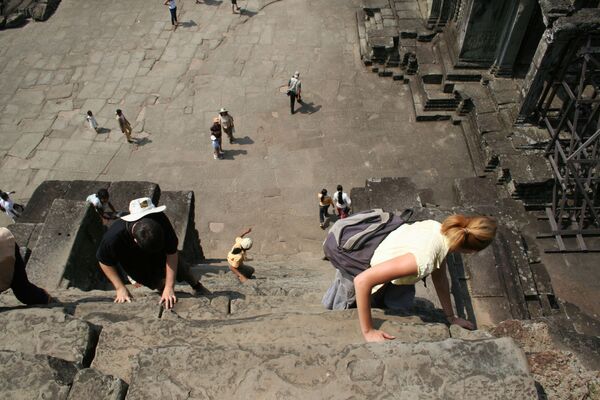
(40, 201)
(120, 342)
(451, 369)
(122, 192)
(80, 190)
(475, 191)
(47, 331)
(25, 145)
(392, 194)
(180, 210)
(65, 253)
(26, 376)
(103, 311)
(457, 332)
(91, 384)
(25, 233)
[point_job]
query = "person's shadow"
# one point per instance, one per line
(142, 141)
(189, 24)
(244, 140)
(103, 130)
(231, 154)
(210, 2)
(308, 108)
(247, 13)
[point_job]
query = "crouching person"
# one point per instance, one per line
(13, 275)
(237, 256)
(144, 245)
(377, 248)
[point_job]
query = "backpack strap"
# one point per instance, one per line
(359, 218)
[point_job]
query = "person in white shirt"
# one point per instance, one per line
(173, 11)
(101, 203)
(11, 209)
(294, 90)
(342, 202)
(92, 121)
(226, 121)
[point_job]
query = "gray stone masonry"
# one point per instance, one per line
(433, 370)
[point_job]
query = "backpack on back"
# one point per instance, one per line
(351, 242)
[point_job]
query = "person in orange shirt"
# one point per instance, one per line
(237, 256)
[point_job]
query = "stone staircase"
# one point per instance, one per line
(268, 338)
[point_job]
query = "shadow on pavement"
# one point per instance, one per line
(103, 130)
(231, 154)
(308, 108)
(244, 140)
(188, 24)
(142, 141)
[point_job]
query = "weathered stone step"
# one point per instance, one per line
(452, 369)
(120, 341)
(252, 305)
(26, 376)
(47, 331)
(65, 252)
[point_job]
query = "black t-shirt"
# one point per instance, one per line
(118, 248)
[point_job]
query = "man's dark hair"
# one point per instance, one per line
(102, 194)
(149, 235)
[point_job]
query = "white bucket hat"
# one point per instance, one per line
(246, 243)
(296, 74)
(141, 207)
(222, 110)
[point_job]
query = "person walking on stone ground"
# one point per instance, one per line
(13, 274)
(234, 6)
(237, 256)
(226, 121)
(173, 11)
(342, 202)
(215, 131)
(101, 203)
(408, 254)
(124, 125)
(144, 245)
(91, 120)
(294, 90)
(324, 202)
(8, 206)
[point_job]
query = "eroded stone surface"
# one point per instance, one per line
(448, 369)
(91, 384)
(122, 340)
(27, 377)
(47, 331)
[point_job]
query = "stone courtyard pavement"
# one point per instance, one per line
(109, 54)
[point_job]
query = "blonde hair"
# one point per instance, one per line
(469, 233)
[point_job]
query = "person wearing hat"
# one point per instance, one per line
(216, 138)
(237, 256)
(144, 245)
(13, 274)
(294, 90)
(226, 121)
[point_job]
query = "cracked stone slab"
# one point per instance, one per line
(25, 145)
(92, 384)
(450, 369)
(26, 376)
(47, 331)
(120, 341)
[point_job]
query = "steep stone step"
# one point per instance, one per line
(48, 331)
(121, 341)
(253, 305)
(64, 254)
(27, 376)
(452, 369)
(180, 210)
(270, 279)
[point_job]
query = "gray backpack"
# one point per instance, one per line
(351, 241)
